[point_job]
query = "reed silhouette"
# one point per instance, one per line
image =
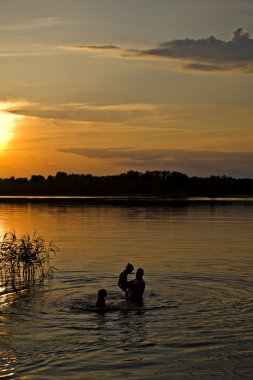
(24, 261)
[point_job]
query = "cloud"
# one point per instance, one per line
(82, 111)
(100, 47)
(22, 47)
(207, 54)
(14, 106)
(121, 107)
(37, 23)
(236, 164)
(210, 54)
(108, 50)
(31, 84)
(27, 50)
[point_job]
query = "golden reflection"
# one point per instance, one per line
(7, 356)
(3, 297)
(2, 230)
(7, 364)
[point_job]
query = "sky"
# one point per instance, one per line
(108, 86)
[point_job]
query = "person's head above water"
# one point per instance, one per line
(139, 273)
(102, 293)
(129, 268)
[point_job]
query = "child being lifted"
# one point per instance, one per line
(123, 283)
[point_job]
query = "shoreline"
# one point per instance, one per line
(126, 200)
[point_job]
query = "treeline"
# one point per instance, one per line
(130, 183)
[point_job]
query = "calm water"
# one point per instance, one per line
(196, 320)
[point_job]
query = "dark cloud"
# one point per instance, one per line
(238, 164)
(210, 54)
(97, 47)
(206, 54)
(240, 34)
(204, 67)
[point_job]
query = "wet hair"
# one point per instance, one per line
(139, 273)
(102, 293)
(129, 268)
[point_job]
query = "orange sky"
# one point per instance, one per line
(105, 88)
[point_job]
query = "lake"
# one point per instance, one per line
(196, 319)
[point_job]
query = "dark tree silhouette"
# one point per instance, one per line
(156, 182)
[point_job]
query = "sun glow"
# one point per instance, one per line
(6, 132)
(7, 122)
(9, 116)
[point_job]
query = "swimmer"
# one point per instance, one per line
(102, 293)
(136, 287)
(122, 282)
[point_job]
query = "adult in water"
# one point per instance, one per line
(136, 287)
(122, 282)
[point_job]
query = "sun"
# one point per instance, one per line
(9, 117)
(7, 122)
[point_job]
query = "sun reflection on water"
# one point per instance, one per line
(2, 289)
(7, 364)
(4, 299)
(8, 359)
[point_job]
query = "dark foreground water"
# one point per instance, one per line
(196, 320)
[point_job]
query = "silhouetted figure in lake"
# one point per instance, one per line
(136, 287)
(123, 283)
(102, 293)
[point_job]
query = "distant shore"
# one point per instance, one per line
(133, 186)
(132, 200)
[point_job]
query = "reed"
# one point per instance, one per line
(24, 261)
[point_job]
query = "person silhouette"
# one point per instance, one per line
(102, 293)
(122, 282)
(136, 287)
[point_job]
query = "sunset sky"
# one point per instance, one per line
(107, 86)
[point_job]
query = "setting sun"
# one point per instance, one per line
(7, 122)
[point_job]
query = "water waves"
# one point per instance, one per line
(196, 318)
(198, 323)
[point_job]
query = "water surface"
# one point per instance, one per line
(196, 319)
